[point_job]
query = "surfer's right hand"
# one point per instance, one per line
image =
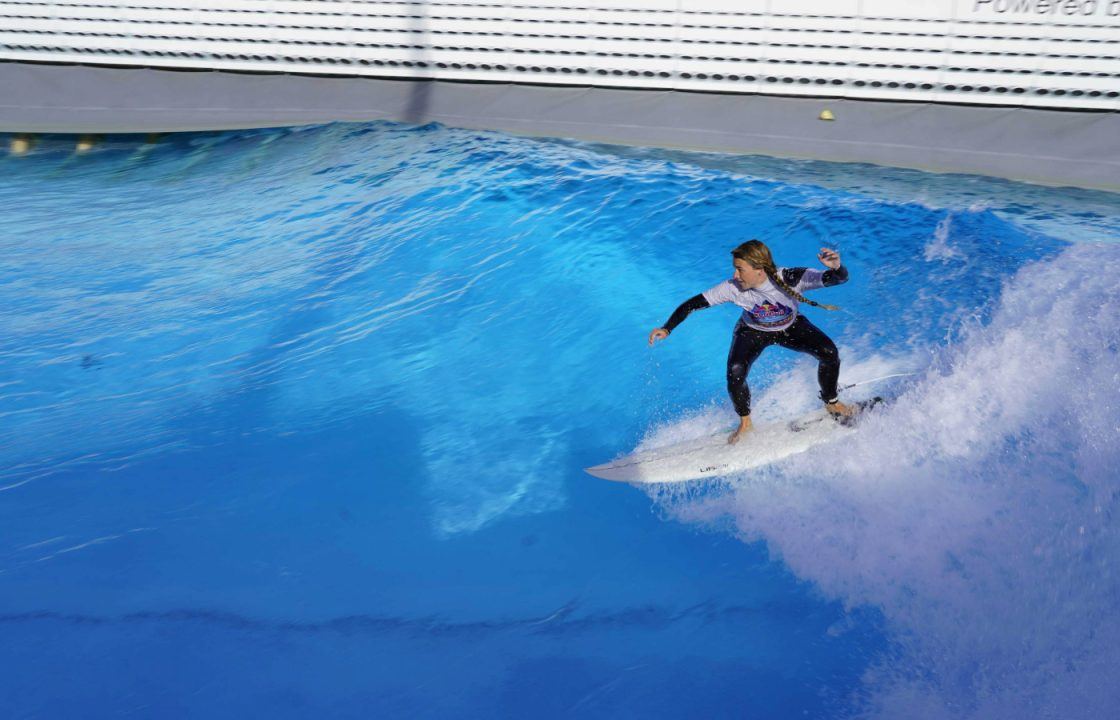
(658, 334)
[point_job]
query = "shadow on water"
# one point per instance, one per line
(563, 665)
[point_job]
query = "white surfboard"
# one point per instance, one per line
(711, 456)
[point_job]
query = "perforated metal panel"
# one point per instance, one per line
(1043, 53)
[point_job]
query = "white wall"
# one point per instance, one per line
(1038, 53)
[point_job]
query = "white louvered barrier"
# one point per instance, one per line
(1040, 53)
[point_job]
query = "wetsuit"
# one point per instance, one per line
(770, 317)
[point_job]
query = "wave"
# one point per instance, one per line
(975, 512)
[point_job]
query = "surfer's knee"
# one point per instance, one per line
(828, 353)
(736, 373)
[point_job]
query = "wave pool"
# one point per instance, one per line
(293, 422)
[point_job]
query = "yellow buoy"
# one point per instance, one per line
(21, 145)
(826, 114)
(85, 143)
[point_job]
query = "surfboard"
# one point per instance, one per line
(711, 456)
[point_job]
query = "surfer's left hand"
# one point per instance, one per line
(830, 258)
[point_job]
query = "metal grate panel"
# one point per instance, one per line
(1002, 52)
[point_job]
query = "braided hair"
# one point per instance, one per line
(758, 255)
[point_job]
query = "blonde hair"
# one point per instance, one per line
(758, 255)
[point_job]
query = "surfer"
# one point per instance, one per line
(769, 297)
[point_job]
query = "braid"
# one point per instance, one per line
(772, 273)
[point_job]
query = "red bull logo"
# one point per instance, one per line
(769, 313)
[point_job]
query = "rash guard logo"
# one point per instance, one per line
(769, 313)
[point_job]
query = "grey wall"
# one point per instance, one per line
(1045, 146)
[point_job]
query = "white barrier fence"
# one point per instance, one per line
(1037, 53)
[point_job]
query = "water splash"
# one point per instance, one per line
(976, 512)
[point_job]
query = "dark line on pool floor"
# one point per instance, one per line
(562, 620)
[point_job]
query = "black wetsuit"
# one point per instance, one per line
(767, 320)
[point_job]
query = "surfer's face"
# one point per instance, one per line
(748, 275)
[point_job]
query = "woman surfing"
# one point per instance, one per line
(770, 297)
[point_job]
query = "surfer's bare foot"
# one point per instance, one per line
(839, 408)
(744, 427)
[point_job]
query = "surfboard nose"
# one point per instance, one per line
(601, 471)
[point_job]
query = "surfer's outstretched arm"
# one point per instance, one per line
(803, 279)
(697, 302)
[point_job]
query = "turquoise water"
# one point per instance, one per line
(292, 424)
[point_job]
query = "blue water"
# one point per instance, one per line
(292, 424)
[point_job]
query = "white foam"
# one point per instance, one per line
(975, 512)
(939, 248)
(790, 395)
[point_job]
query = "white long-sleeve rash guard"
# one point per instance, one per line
(766, 307)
